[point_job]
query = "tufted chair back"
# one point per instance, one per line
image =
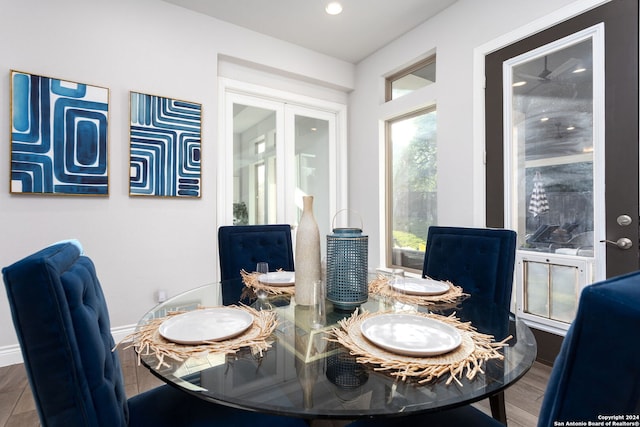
(481, 260)
(242, 246)
(597, 373)
(61, 319)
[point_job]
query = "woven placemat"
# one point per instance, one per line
(250, 280)
(147, 340)
(381, 286)
(467, 359)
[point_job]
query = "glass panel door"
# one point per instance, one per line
(313, 134)
(255, 152)
(556, 188)
(279, 152)
(312, 161)
(511, 159)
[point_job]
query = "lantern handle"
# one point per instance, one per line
(333, 221)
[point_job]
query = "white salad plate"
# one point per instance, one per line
(411, 335)
(418, 286)
(278, 278)
(211, 324)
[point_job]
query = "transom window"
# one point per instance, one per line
(411, 79)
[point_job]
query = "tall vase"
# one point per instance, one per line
(307, 257)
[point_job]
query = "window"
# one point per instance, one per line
(411, 79)
(411, 187)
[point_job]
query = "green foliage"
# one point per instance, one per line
(414, 179)
(240, 214)
(415, 163)
(407, 240)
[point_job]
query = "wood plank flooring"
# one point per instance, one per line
(17, 408)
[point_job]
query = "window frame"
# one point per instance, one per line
(388, 220)
(389, 80)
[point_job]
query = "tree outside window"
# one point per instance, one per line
(412, 150)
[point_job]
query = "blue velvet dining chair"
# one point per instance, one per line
(595, 374)
(62, 323)
(597, 371)
(480, 260)
(240, 247)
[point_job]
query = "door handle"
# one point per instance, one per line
(622, 243)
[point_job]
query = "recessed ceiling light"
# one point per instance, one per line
(580, 70)
(333, 8)
(571, 127)
(544, 119)
(520, 83)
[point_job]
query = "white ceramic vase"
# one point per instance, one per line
(307, 256)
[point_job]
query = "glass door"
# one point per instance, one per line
(277, 152)
(555, 160)
(562, 157)
(256, 126)
(313, 173)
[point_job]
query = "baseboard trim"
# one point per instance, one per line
(12, 355)
(121, 332)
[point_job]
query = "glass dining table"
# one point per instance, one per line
(305, 375)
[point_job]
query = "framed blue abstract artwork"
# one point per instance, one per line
(165, 147)
(59, 136)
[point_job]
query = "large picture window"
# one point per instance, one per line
(411, 187)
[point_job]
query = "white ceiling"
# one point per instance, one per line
(363, 27)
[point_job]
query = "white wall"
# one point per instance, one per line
(453, 34)
(139, 245)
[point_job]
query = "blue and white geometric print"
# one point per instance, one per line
(59, 136)
(165, 147)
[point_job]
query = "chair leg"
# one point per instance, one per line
(498, 409)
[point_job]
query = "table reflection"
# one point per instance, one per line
(303, 374)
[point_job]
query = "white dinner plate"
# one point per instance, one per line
(278, 278)
(418, 286)
(411, 335)
(211, 324)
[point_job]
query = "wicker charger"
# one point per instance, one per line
(147, 340)
(251, 281)
(381, 286)
(475, 349)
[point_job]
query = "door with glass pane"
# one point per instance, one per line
(568, 136)
(256, 134)
(279, 153)
(313, 171)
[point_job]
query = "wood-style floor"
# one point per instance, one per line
(17, 408)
